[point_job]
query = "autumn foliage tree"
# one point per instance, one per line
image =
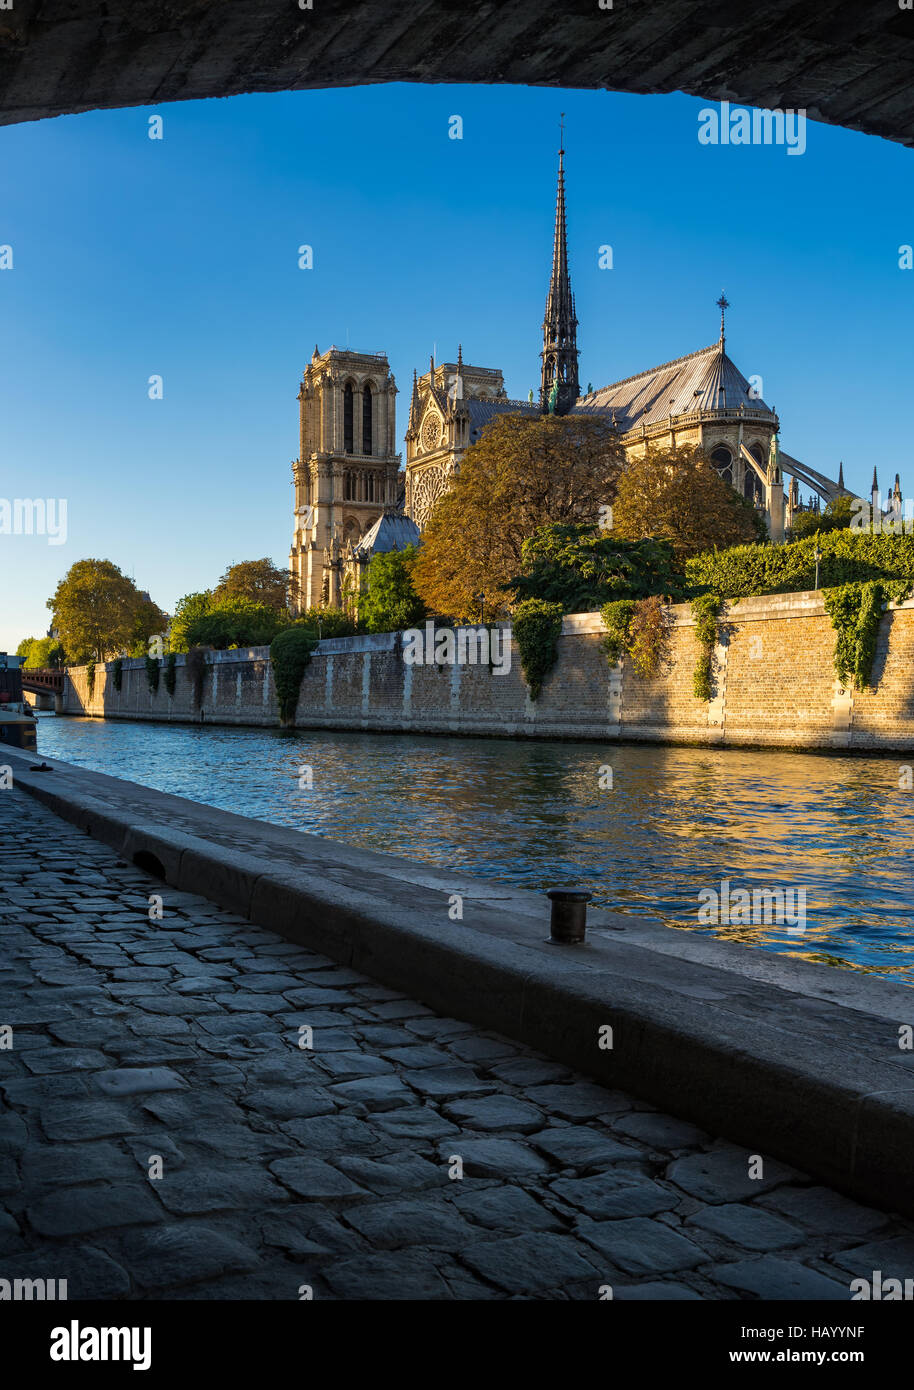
(522, 474)
(99, 612)
(260, 581)
(679, 496)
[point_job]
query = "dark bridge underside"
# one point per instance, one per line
(850, 64)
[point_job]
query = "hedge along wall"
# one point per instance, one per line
(773, 683)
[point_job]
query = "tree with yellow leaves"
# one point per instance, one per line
(525, 472)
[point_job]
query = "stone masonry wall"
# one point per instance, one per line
(774, 684)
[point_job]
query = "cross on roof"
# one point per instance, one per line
(723, 304)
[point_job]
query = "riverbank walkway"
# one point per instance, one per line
(163, 1133)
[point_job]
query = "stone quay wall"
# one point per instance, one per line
(774, 684)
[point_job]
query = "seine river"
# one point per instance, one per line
(533, 814)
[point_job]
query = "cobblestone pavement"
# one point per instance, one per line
(333, 1167)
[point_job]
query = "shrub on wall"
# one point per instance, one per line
(195, 665)
(639, 629)
(855, 611)
(649, 636)
(152, 673)
(90, 678)
(537, 626)
(617, 618)
(117, 672)
(290, 654)
(170, 676)
(846, 557)
(705, 609)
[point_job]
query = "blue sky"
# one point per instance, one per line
(178, 257)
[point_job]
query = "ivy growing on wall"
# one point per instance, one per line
(170, 676)
(290, 655)
(537, 626)
(649, 636)
(705, 609)
(617, 618)
(90, 678)
(855, 611)
(117, 672)
(195, 665)
(639, 629)
(152, 673)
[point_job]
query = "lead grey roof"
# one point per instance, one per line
(393, 530)
(702, 380)
(482, 413)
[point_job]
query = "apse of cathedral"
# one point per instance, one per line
(351, 500)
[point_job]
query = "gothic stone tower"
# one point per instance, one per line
(347, 469)
(559, 388)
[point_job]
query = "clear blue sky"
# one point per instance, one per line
(179, 257)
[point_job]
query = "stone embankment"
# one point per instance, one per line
(773, 678)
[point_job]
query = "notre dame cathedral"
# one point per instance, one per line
(352, 500)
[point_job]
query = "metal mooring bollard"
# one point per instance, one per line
(569, 914)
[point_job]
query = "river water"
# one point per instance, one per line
(676, 821)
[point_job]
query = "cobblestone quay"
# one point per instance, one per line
(163, 1134)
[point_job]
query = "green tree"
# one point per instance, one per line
(149, 621)
(99, 612)
(41, 652)
(329, 622)
(260, 582)
(187, 610)
(525, 472)
(677, 495)
(235, 622)
(837, 516)
(389, 602)
(582, 568)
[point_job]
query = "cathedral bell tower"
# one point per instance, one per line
(347, 471)
(559, 388)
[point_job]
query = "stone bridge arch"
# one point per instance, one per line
(846, 63)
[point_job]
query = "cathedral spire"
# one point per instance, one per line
(414, 403)
(841, 474)
(723, 305)
(559, 387)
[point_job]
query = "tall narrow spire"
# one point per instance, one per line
(841, 474)
(414, 403)
(559, 388)
(723, 305)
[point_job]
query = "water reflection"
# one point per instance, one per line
(533, 814)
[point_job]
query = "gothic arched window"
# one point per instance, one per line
(752, 487)
(347, 419)
(723, 462)
(366, 420)
(349, 485)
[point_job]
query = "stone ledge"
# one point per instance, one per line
(789, 1058)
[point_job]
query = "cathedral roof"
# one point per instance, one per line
(482, 413)
(393, 530)
(703, 380)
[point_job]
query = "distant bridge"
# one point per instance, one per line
(47, 684)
